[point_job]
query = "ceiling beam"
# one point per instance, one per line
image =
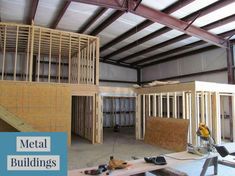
(172, 8)
(204, 11)
(207, 27)
(107, 22)
(159, 17)
(220, 22)
(180, 25)
(138, 42)
(155, 47)
(113, 4)
(208, 9)
(33, 10)
(166, 53)
(93, 19)
(112, 62)
(198, 43)
(171, 58)
(60, 14)
(127, 34)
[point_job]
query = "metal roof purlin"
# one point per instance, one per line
(60, 14)
(32, 11)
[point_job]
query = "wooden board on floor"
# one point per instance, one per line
(167, 133)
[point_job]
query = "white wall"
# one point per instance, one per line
(113, 72)
(210, 60)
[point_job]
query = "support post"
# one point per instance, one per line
(138, 117)
(31, 53)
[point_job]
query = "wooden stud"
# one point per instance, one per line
(59, 65)
(28, 53)
(31, 54)
(149, 105)
(202, 107)
(143, 115)
(138, 118)
(4, 52)
(183, 106)
(93, 62)
(16, 51)
(78, 62)
(97, 60)
(209, 111)
(168, 104)
(216, 116)
(194, 121)
(222, 115)
(233, 116)
(39, 54)
(49, 65)
(154, 105)
(69, 73)
(175, 105)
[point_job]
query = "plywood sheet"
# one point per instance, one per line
(167, 133)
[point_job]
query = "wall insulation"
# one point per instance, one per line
(206, 61)
(118, 111)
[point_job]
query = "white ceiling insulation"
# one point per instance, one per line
(216, 15)
(192, 7)
(100, 20)
(75, 16)
(224, 28)
(46, 12)
(157, 4)
(121, 25)
(19, 7)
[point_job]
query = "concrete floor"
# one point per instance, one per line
(120, 145)
(124, 146)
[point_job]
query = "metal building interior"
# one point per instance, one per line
(108, 72)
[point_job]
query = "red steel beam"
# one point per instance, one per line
(33, 10)
(207, 27)
(107, 22)
(172, 8)
(93, 19)
(180, 25)
(61, 14)
(203, 11)
(162, 18)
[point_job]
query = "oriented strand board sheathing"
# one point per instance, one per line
(44, 106)
(167, 133)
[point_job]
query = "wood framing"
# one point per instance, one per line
(197, 101)
(76, 53)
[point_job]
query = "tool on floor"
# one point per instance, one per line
(100, 170)
(207, 142)
(159, 160)
(116, 164)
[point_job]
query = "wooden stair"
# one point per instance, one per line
(15, 121)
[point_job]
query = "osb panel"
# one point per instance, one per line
(167, 133)
(47, 107)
